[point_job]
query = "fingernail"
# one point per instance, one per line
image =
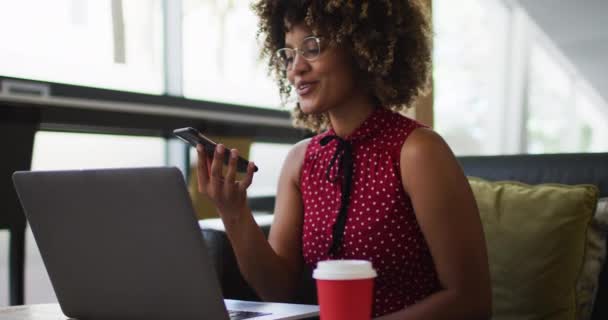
(233, 154)
(199, 148)
(219, 148)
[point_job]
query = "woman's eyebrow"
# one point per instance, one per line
(289, 45)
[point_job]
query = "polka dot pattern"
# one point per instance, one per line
(381, 226)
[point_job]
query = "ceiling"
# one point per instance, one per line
(580, 29)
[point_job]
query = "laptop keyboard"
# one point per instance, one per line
(239, 315)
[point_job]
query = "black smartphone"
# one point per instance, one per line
(194, 137)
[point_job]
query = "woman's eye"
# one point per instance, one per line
(311, 51)
(288, 61)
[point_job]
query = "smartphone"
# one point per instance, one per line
(194, 137)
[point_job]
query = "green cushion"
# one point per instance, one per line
(536, 237)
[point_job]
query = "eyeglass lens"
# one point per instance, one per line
(309, 50)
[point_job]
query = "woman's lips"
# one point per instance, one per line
(305, 89)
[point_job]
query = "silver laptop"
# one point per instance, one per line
(125, 244)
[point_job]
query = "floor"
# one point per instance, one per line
(37, 285)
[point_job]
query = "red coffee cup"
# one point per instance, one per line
(345, 289)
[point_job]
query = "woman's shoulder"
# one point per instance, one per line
(395, 126)
(423, 137)
(298, 151)
(396, 130)
(295, 158)
(424, 144)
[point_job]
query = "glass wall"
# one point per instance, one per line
(563, 114)
(269, 158)
(502, 86)
(221, 55)
(593, 121)
(471, 39)
(105, 44)
(551, 122)
(61, 150)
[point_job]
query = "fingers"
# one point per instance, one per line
(217, 164)
(231, 172)
(246, 182)
(211, 181)
(209, 160)
(202, 171)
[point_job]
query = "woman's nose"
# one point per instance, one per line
(300, 64)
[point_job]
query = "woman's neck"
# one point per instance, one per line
(347, 118)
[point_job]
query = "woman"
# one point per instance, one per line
(372, 184)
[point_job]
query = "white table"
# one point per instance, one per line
(50, 311)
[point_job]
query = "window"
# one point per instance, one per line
(469, 72)
(269, 158)
(106, 44)
(563, 114)
(60, 150)
(594, 116)
(550, 97)
(221, 55)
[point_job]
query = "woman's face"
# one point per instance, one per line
(322, 84)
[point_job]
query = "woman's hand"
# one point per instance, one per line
(228, 195)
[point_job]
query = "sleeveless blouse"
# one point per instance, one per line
(380, 226)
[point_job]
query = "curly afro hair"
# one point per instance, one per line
(389, 42)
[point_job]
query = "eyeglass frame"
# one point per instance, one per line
(300, 52)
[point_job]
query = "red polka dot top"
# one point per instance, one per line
(379, 223)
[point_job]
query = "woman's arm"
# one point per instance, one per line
(449, 219)
(272, 266)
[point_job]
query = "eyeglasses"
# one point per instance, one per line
(309, 49)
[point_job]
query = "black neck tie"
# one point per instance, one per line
(347, 168)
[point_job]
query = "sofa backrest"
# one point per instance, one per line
(575, 168)
(580, 168)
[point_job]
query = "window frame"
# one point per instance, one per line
(86, 109)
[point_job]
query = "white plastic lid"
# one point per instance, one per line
(344, 270)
